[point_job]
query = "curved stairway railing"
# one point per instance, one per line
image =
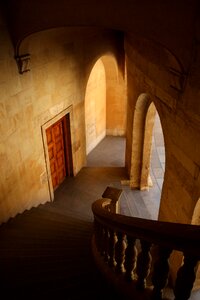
(133, 253)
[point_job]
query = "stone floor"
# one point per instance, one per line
(105, 167)
(110, 152)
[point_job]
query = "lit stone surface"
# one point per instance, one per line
(61, 63)
(57, 80)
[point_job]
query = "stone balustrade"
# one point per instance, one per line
(133, 253)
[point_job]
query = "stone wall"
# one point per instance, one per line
(116, 100)
(95, 106)
(150, 69)
(61, 61)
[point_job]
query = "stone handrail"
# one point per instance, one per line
(133, 253)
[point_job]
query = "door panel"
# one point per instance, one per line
(55, 142)
(68, 146)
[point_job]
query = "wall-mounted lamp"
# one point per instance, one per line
(23, 62)
(178, 79)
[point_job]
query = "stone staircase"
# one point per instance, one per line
(45, 253)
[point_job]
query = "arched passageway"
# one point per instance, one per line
(95, 106)
(148, 154)
(157, 163)
(105, 104)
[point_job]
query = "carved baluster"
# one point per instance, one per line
(185, 278)
(106, 244)
(95, 226)
(160, 272)
(130, 258)
(120, 252)
(97, 233)
(111, 250)
(101, 239)
(143, 264)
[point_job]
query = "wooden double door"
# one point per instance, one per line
(59, 149)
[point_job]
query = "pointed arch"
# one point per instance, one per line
(139, 119)
(196, 214)
(143, 124)
(196, 221)
(145, 181)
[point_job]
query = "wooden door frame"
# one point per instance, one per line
(46, 125)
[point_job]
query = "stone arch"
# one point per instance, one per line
(196, 214)
(95, 106)
(105, 90)
(196, 221)
(147, 145)
(143, 123)
(139, 118)
(115, 96)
